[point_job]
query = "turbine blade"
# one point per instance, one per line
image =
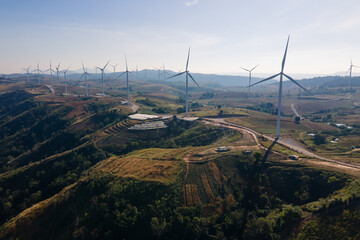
(120, 75)
(254, 68)
(355, 66)
(83, 65)
(274, 76)
(284, 59)
(106, 65)
(178, 74)
(193, 79)
(82, 76)
(187, 62)
(126, 62)
(245, 69)
(291, 79)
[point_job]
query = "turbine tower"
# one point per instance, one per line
(127, 81)
(85, 77)
(281, 74)
(66, 82)
(27, 73)
(350, 71)
(249, 75)
(187, 81)
(102, 76)
(51, 72)
(38, 71)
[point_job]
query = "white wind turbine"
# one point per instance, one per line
(164, 72)
(281, 74)
(250, 75)
(27, 73)
(350, 70)
(51, 72)
(85, 77)
(158, 72)
(187, 81)
(57, 74)
(114, 67)
(102, 76)
(66, 82)
(127, 82)
(38, 71)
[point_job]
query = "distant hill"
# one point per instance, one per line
(328, 81)
(210, 80)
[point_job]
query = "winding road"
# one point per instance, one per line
(295, 111)
(289, 143)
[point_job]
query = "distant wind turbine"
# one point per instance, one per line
(114, 67)
(66, 82)
(85, 77)
(164, 73)
(127, 81)
(281, 74)
(38, 71)
(250, 75)
(57, 74)
(187, 73)
(158, 71)
(102, 76)
(350, 70)
(51, 72)
(27, 73)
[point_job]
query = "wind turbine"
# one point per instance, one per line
(350, 70)
(38, 71)
(102, 76)
(85, 75)
(137, 73)
(281, 74)
(114, 67)
(164, 72)
(66, 82)
(51, 72)
(158, 70)
(187, 81)
(57, 73)
(27, 73)
(250, 74)
(127, 81)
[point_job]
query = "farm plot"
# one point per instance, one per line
(203, 184)
(145, 169)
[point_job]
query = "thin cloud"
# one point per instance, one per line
(191, 3)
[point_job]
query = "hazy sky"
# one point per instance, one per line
(223, 34)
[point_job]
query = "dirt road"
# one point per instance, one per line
(295, 111)
(289, 143)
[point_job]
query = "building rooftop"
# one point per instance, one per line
(139, 116)
(149, 126)
(189, 118)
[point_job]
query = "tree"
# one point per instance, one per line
(319, 139)
(297, 119)
(221, 112)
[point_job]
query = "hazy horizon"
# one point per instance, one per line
(222, 36)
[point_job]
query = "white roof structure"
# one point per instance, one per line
(148, 126)
(190, 119)
(143, 117)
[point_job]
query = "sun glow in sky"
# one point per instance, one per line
(223, 35)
